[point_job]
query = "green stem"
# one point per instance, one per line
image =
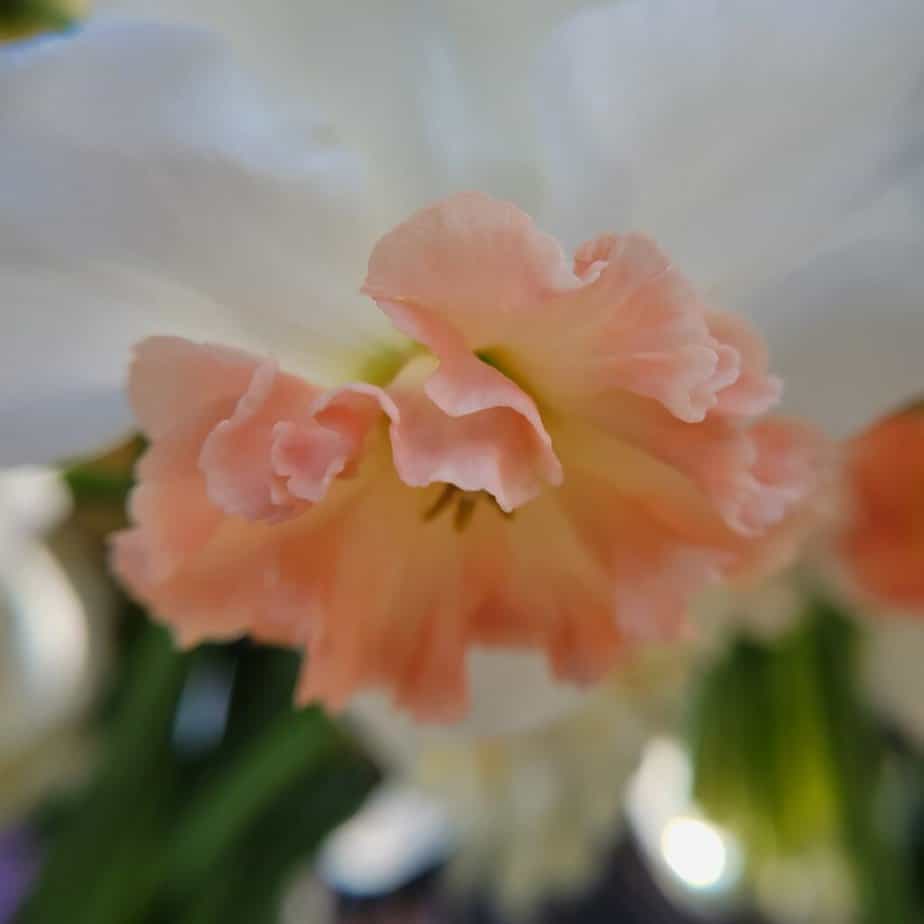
(292, 746)
(84, 867)
(880, 874)
(90, 486)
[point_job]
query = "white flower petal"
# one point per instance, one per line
(67, 335)
(892, 676)
(140, 152)
(740, 135)
(375, 70)
(847, 332)
(511, 692)
(397, 835)
(436, 93)
(535, 807)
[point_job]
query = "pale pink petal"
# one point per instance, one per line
(171, 377)
(635, 325)
(237, 456)
(263, 452)
(307, 459)
(755, 390)
(308, 456)
(177, 514)
(789, 456)
(751, 476)
(452, 277)
(469, 425)
(473, 261)
(881, 541)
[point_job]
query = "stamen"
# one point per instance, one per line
(464, 512)
(441, 503)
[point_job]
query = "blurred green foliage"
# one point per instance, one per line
(210, 787)
(20, 18)
(788, 757)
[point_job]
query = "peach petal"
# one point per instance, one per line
(478, 263)
(170, 376)
(882, 540)
(470, 425)
(237, 456)
(751, 476)
(308, 457)
(787, 466)
(640, 328)
(754, 391)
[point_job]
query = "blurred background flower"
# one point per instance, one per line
(55, 611)
(535, 814)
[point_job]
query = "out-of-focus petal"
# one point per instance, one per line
(742, 136)
(67, 332)
(847, 332)
(139, 166)
(455, 108)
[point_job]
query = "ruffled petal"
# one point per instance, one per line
(474, 262)
(754, 390)
(637, 326)
(467, 424)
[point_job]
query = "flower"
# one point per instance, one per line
(672, 119)
(865, 552)
(474, 518)
(534, 813)
(881, 543)
(55, 611)
(537, 813)
(173, 201)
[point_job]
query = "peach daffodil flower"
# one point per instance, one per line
(562, 454)
(498, 443)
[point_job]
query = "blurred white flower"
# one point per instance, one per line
(763, 610)
(53, 614)
(534, 813)
(399, 834)
(892, 674)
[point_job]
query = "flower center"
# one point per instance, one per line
(385, 366)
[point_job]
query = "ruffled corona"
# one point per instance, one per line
(565, 452)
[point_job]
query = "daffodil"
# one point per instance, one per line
(537, 813)
(497, 442)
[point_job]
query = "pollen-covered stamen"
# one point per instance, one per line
(462, 503)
